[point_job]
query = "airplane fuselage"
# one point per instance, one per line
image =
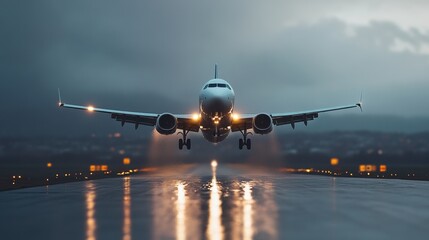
(216, 106)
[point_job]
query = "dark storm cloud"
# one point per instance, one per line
(155, 56)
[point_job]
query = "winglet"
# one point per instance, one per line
(215, 73)
(359, 104)
(60, 103)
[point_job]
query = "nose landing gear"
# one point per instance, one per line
(184, 141)
(245, 141)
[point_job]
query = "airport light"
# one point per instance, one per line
(334, 161)
(126, 161)
(49, 165)
(90, 108)
(214, 163)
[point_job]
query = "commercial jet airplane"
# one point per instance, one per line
(216, 117)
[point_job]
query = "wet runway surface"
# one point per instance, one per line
(224, 202)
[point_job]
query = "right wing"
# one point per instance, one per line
(244, 122)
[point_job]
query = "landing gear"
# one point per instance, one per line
(184, 141)
(244, 141)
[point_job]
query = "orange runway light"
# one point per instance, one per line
(126, 161)
(334, 161)
(383, 168)
(361, 168)
(104, 167)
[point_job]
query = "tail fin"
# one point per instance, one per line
(215, 73)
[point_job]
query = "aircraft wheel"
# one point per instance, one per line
(188, 144)
(249, 144)
(180, 144)
(240, 144)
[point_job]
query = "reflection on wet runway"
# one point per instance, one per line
(181, 211)
(91, 224)
(203, 208)
(218, 202)
(215, 229)
(127, 210)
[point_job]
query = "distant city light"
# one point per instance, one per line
(334, 161)
(98, 168)
(49, 165)
(371, 168)
(126, 161)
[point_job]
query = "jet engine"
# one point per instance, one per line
(166, 124)
(262, 123)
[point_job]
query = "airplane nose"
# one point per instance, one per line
(217, 103)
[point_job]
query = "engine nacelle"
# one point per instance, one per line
(262, 123)
(166, 124)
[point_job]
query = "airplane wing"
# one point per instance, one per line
(246, 121)
(184, 121)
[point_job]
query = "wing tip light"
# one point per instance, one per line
(60, 102)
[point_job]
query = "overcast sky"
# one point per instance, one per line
(154, 56)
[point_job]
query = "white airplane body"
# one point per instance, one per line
(216, 118)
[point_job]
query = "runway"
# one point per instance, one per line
(220, 202)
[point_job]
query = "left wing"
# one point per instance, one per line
(245, 122)
(184, 121)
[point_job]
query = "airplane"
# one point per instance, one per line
(216, 117)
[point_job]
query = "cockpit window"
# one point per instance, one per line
(221, 85)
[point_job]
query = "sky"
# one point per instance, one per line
(154, 56)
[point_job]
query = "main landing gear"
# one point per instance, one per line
(184, 141)
(245, 141)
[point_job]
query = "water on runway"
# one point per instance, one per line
(218, 202)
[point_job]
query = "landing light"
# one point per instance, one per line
(214, 163)
(90, 108)
(195, 116)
